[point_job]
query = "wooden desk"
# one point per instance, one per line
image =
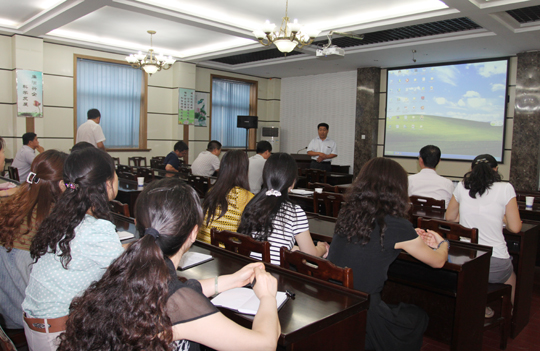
(323, 316)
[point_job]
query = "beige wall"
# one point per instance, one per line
(55, 130)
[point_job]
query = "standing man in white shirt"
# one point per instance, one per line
(322, 149)
(256, 165)
(90, 131)
(26, 154)
(208, 161)
(427, 182)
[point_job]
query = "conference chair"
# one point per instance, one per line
(325, 186)
(496, 292)
(199, 183)
(315, 175)
(137, 161)
(124, 168)
(327, 204)
(127, 176)
(13, 173)
(7, 163)
(148, 174)
(316, 267)
(240, 243)
(116, 161)
(427, 202)
(120, 208)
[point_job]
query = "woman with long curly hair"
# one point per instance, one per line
(271, 216)
(225, 201)
(73, 246)
(483, 201)
(140, 304)
(371, 230)
(20, 217)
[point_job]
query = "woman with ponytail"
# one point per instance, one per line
(72, 247)
(482, 201)
(140, 304)
(20, 217)
(272, 217)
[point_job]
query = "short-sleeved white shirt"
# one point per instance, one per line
(23, 160)
(90, 132)
(486, 213)
(205, 164)
(326, 146)
(256, 166)
(429, 184)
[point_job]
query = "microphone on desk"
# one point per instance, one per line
(301, 149)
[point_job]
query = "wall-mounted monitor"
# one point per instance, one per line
(459, 107)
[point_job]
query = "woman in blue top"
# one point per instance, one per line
(73, 246)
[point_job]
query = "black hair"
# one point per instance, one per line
(81, 145)
(323, 125)
(214, 145)
(180, 146)
(93, 113)
(233, 171)
(263, 146)
(482, 175)
(279, 173)
(86, 173)
(28, 137)
(431, 155)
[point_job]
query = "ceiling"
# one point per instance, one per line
(217, 33)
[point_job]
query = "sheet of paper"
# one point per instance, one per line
(190, 259)
(123, 235)
(301, 192)
(244, 300)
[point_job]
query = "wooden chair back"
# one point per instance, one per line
(326, 187)
(120, 208)
(449, 230)
(316, 267)
(199, 183)
(148, 174)
(520, 196)
(127, 176)
(7, 163)
(315, 175)
(116, 161)
(13, 173)
(428, 202)
(240, 243)
(138, 161)
(327, 204)
(157, 162)
(341, 189)
(124, 168)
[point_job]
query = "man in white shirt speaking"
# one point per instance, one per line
(427, 182)
(256, 165)
(90, 131)
(322, 149)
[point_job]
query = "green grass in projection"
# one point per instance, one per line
(411, 132)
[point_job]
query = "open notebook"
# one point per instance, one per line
(244, 300)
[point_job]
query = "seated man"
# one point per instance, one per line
(26, 154)
(171, 162)
(256, 165)
(427, 182)
(208, 161)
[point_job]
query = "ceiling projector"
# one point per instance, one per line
(331, 50)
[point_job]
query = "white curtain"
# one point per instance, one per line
(229, 100)
(115, 90)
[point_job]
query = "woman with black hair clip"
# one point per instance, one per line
(72, 247)
(20, 217)
(271, 216)
(224, 203)
(139, 303)
(371, 230)
(483, 201)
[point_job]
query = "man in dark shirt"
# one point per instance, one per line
(172, 163)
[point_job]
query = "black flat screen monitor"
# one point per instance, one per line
(459, 107)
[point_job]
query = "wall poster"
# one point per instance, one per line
(201, 108)
(186, 106)
(29, 93)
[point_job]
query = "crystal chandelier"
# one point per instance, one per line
(149, 61)
(289, 36)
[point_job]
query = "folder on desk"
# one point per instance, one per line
(244, 300)
(192, 259)
(123, 235)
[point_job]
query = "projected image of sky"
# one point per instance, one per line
(460, 106)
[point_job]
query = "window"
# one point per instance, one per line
(232, 98)
(119, 92)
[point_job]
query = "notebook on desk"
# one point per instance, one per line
(192, 259)
(244, 300)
